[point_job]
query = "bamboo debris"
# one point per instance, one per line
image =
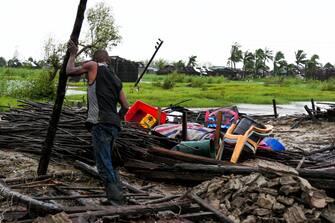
(67, 197)
(159, 200)
(209, 207)
(323, 179)
(24, 129)
(136, 209)
(146, 154)
(30, 202)
(24, 180)
(93, 172)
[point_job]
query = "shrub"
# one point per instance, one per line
(40, 88)
(283, 81)
(168, 83)
(43, 87)
(196, 82)
(328, 85)
(210, 80)
(218, 80)
(176, 77)
(156, 84)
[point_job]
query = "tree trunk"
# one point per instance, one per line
(49, 140)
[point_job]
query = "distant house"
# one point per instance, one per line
(167, 69)
(126, 70)
(152, 70)
(222, 70)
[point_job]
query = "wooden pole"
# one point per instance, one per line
(313, 106)
(184, 126)
(53, 123)
(218, 131)
(274, 108)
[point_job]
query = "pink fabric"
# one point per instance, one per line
(195, 131)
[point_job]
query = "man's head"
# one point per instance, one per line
(101, 56)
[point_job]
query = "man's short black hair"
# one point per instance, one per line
(101, 56)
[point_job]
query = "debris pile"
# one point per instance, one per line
(266, 198)
(142, 152)
(256, 191)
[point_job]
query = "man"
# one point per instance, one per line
(104, 92)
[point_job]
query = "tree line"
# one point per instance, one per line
(254, 64)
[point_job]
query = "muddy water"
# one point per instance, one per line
(283, 110)
(74, 91)
(287, 109)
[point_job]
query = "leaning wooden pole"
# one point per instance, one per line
(49, 140)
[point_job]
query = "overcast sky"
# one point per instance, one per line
(205, 28)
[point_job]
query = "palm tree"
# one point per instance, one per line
(259, 61)
(268, 55)
(180, 65)
(248, 62)
(278, 62)
(300, 60)
(235, 55)
(3, 62)
(291, 69)
(311, 66)
(192, 61)
(328, 66)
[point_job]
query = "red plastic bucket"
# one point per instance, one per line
(140, 109)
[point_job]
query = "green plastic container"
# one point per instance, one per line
(201, 148)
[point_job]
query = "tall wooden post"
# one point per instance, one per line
(53, 123)
(275, 114)
(313, 106)
(184, 126)
(218, 131)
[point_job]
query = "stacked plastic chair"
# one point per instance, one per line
(246, 134)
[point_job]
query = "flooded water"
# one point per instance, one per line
(74, 91)
(287, 109)
(282, 110)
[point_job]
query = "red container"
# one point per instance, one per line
(139, 110)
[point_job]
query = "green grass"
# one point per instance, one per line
(7, 101)
(19, 73)
(227, 93)
(203, 91)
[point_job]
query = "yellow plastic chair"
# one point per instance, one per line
(246, 134)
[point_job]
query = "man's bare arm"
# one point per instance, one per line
(71, 69)
(124, 105)
(123, 100)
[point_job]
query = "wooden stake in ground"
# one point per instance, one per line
(49, 140)
(218, 131)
